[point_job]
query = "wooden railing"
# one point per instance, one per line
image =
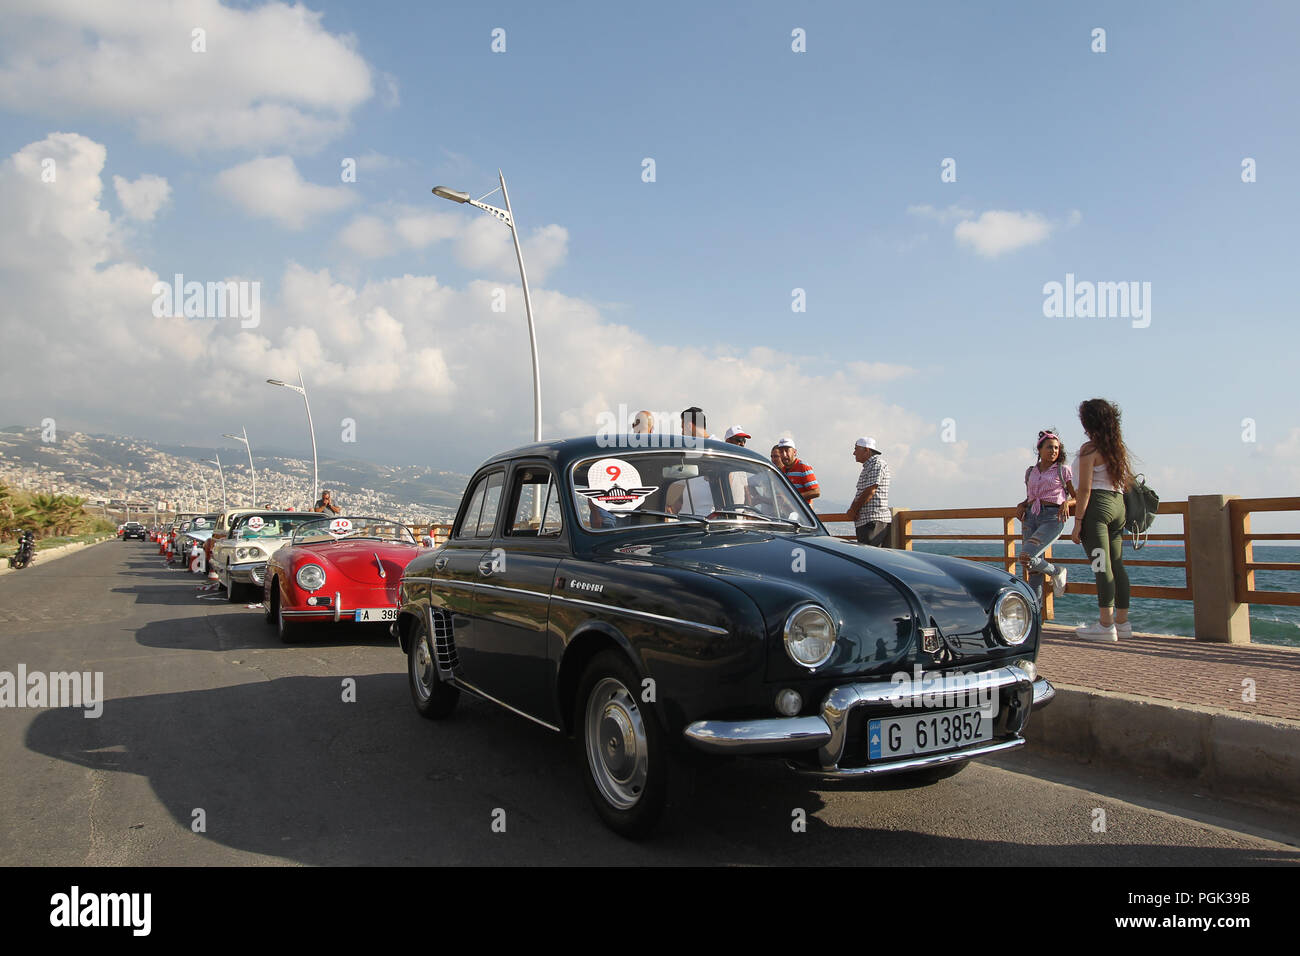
(1244, 564)
(904, 537)
(441, 532)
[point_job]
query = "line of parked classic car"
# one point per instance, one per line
(662, 606)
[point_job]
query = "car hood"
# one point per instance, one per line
(361, 562)
(879, 598)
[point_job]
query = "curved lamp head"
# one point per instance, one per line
(455, 195)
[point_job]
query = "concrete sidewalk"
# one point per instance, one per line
(1224, 717)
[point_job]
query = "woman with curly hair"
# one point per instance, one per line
(1104, 472)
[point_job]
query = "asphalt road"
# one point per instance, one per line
(209, 717)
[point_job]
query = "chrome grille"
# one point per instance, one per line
(444, 645)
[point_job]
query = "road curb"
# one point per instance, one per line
(1252, 759)
(52, 553)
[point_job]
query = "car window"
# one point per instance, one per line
(535, 505)
(491, 504)
(646, 488)
(469, 523)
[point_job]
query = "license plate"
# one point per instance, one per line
(365, 615)
(927, 733)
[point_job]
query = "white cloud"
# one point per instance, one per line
(272, 188)
(927, 211)
(430, 373)
(479, 243)
(999, 231)
(143, 198)
(271, 76)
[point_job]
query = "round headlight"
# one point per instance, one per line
(1013, 617)
(311, 577)
(809, 635)
(241, 554)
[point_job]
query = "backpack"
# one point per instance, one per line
(1140, 506)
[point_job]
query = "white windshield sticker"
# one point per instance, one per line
(199, 522)
(255, 523)
(340, 526)
(615, 485)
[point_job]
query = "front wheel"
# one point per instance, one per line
(288, 629)
(627, 765)
(434, 698)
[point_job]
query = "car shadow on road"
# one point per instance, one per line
(228, 627)
(294, 770)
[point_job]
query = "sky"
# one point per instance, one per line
(816, 221)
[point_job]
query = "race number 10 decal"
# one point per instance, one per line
(340, 526)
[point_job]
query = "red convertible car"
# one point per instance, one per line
(338, 569)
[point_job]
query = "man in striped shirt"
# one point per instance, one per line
(800, 475)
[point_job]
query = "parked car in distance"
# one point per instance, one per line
(345, 568)
(669, 603)
(239, 558)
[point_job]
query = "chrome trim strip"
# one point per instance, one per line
(514, 710)
(502, 587)
(1044, 693)
(338, 597)
(711, 628)
(417, 577)
(322, 612)
(916, 763)
(771, 735)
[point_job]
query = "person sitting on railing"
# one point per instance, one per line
(1049, 486)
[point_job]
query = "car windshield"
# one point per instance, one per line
(324, 530)
(678, 486)
(269, 525)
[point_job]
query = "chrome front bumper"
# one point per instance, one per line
(827, 732)
(248, 573)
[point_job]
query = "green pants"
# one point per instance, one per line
(1103, 539)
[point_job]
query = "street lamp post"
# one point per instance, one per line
(507, 216)
(251, 470)
(217, 461)
(301, 389)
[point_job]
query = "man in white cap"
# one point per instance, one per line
(800, 475)
(737, 436)
(870, 508)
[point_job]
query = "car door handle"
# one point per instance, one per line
(486, 567)
(440, 564)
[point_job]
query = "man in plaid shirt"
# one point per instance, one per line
(870, 507)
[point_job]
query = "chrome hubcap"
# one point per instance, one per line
(422, 668)
(616, 743)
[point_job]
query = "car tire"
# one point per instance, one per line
(288, 629)
(434, 698)
(271, 600)
(628, 769)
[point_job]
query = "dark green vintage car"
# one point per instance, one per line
(662, 602)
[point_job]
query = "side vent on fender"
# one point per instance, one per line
(444, 645)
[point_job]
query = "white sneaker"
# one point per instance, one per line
(1095, 632)
(1124, 630)
(1058, 582)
